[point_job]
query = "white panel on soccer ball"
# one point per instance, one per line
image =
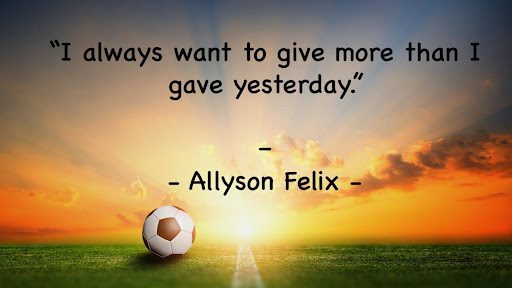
(185, 221)
(181, 243)
(160, 246)
(150, 227)
(165, 212)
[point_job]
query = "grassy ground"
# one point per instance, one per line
(299, 266)
(386, 266)
(113, 266)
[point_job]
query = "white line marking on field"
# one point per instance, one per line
(246, 274)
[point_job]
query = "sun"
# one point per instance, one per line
(244, 231)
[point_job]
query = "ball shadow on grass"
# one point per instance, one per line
(151, 260)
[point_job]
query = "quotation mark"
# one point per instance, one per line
(357, 76)
(54, 43)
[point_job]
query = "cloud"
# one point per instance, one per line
(173, 199)
(480, 153)
(26, 231)
(301, 152)
(467, 184)
(139, 189)
(125, 221)
(66, 197)
(486, 197)
(391, 170)
(141, 214)
(489, 83)
(307, 152)
(48, 231)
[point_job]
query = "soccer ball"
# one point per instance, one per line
(168, 230)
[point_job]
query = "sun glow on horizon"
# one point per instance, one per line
(244, 230)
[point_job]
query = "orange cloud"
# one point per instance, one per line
(9, 231)
(481, 153)
(306, 152)
(287, 150)
(125, 221)
(141, 214)
(486, 197)
(489, 83)
(65, 197)
(139, 189)
(173, 199)
(391, 171)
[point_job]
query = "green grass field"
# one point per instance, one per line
(294, 266)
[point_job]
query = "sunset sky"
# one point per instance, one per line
(87, 148)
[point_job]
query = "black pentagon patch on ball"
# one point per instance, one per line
(168, 228)
(145, 242)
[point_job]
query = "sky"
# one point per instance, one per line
(87, 148)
